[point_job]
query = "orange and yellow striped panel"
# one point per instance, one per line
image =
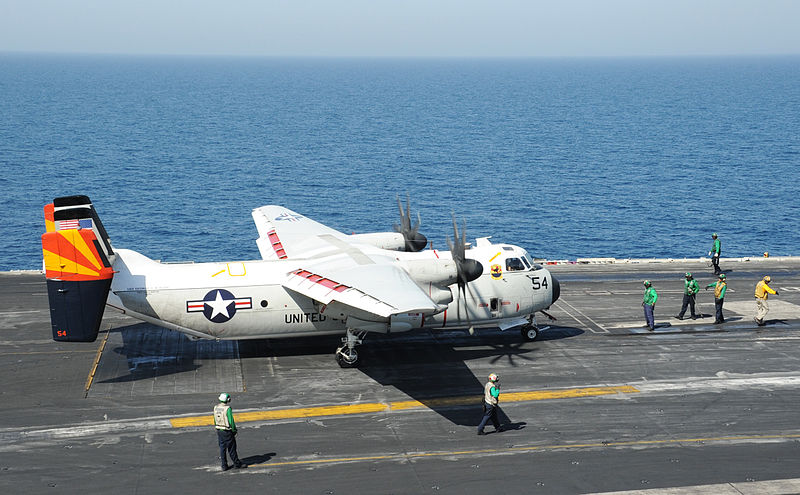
(49, 218)
(73, 255)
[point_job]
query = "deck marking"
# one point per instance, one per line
(372, 407)
(534, 448)
(92, 372)
(601, 327)
(766, 487)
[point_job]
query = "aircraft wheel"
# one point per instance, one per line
(347, 358)
(529, 332)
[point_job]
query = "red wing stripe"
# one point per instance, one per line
(276, 244)
(320, 280)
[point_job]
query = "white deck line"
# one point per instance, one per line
(772, 487)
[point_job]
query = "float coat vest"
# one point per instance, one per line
(487, 394)
(221, 412)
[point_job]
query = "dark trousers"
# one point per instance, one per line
(648, 316)
(715, 262)
(489, 412)
(227, 442)
(718, 307)
(688, 300)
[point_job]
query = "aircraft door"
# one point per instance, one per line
(495, 307)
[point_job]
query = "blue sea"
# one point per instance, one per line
(568, 158)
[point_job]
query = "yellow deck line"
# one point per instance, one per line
(92, 372)
(371, 407)
(528, 448)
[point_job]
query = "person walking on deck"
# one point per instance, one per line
(690, 290)
(763, 290)
(649, 304)
(716, 249)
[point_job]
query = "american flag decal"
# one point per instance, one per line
(86, 223)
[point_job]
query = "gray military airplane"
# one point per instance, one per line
(311, 280)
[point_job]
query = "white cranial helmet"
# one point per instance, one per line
(223, 397)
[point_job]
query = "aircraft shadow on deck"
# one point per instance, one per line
(425, 367)
(148, 351)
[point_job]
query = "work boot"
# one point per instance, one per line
(225, 468)
(694, 317)
(481, 433)
(679, 317)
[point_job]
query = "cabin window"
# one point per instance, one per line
(527, 263)
(514, 264)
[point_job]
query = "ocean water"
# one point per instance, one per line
(567, 158)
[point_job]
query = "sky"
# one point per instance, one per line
(397, 28)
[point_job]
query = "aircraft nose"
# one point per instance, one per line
(556, 290)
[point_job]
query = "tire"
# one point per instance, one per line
(345, 362)
(529, 333)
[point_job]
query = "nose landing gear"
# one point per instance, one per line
(530, 331)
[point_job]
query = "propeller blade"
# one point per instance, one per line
(414, 241)
(467, 270)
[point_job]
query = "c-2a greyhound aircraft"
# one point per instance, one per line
(312, 280)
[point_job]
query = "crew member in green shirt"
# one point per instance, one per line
(715, 252)
(649, 304)
(690, 289)
(226, 432)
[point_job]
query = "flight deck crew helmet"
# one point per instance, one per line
(647, 283)
(493, 377)
(722, 276)
(767, 279)
(688, 274)
(224, 398)
(714, 235)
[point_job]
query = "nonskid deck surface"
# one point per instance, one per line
(597, 404)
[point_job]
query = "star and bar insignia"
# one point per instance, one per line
(219, 305)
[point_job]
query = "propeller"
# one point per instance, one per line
(467, 269)
(414, 241)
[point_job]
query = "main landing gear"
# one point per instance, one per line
(346, 355)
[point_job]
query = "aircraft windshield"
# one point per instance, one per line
(514, 264)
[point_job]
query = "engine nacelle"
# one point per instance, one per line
(441, 272)
(405, 322)
(392, 241)
(439, 295)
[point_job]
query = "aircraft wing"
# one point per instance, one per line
(336, 270)
(380, 289)
(284, 234)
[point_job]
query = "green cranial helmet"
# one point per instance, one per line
(647, 283)
(714, 235)
(688, 274)
(722, 276)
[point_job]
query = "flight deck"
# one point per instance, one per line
(598, 403)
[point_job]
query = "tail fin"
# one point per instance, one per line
(77, 261)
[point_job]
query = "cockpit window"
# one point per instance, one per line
(527, 263)
(514, 264)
